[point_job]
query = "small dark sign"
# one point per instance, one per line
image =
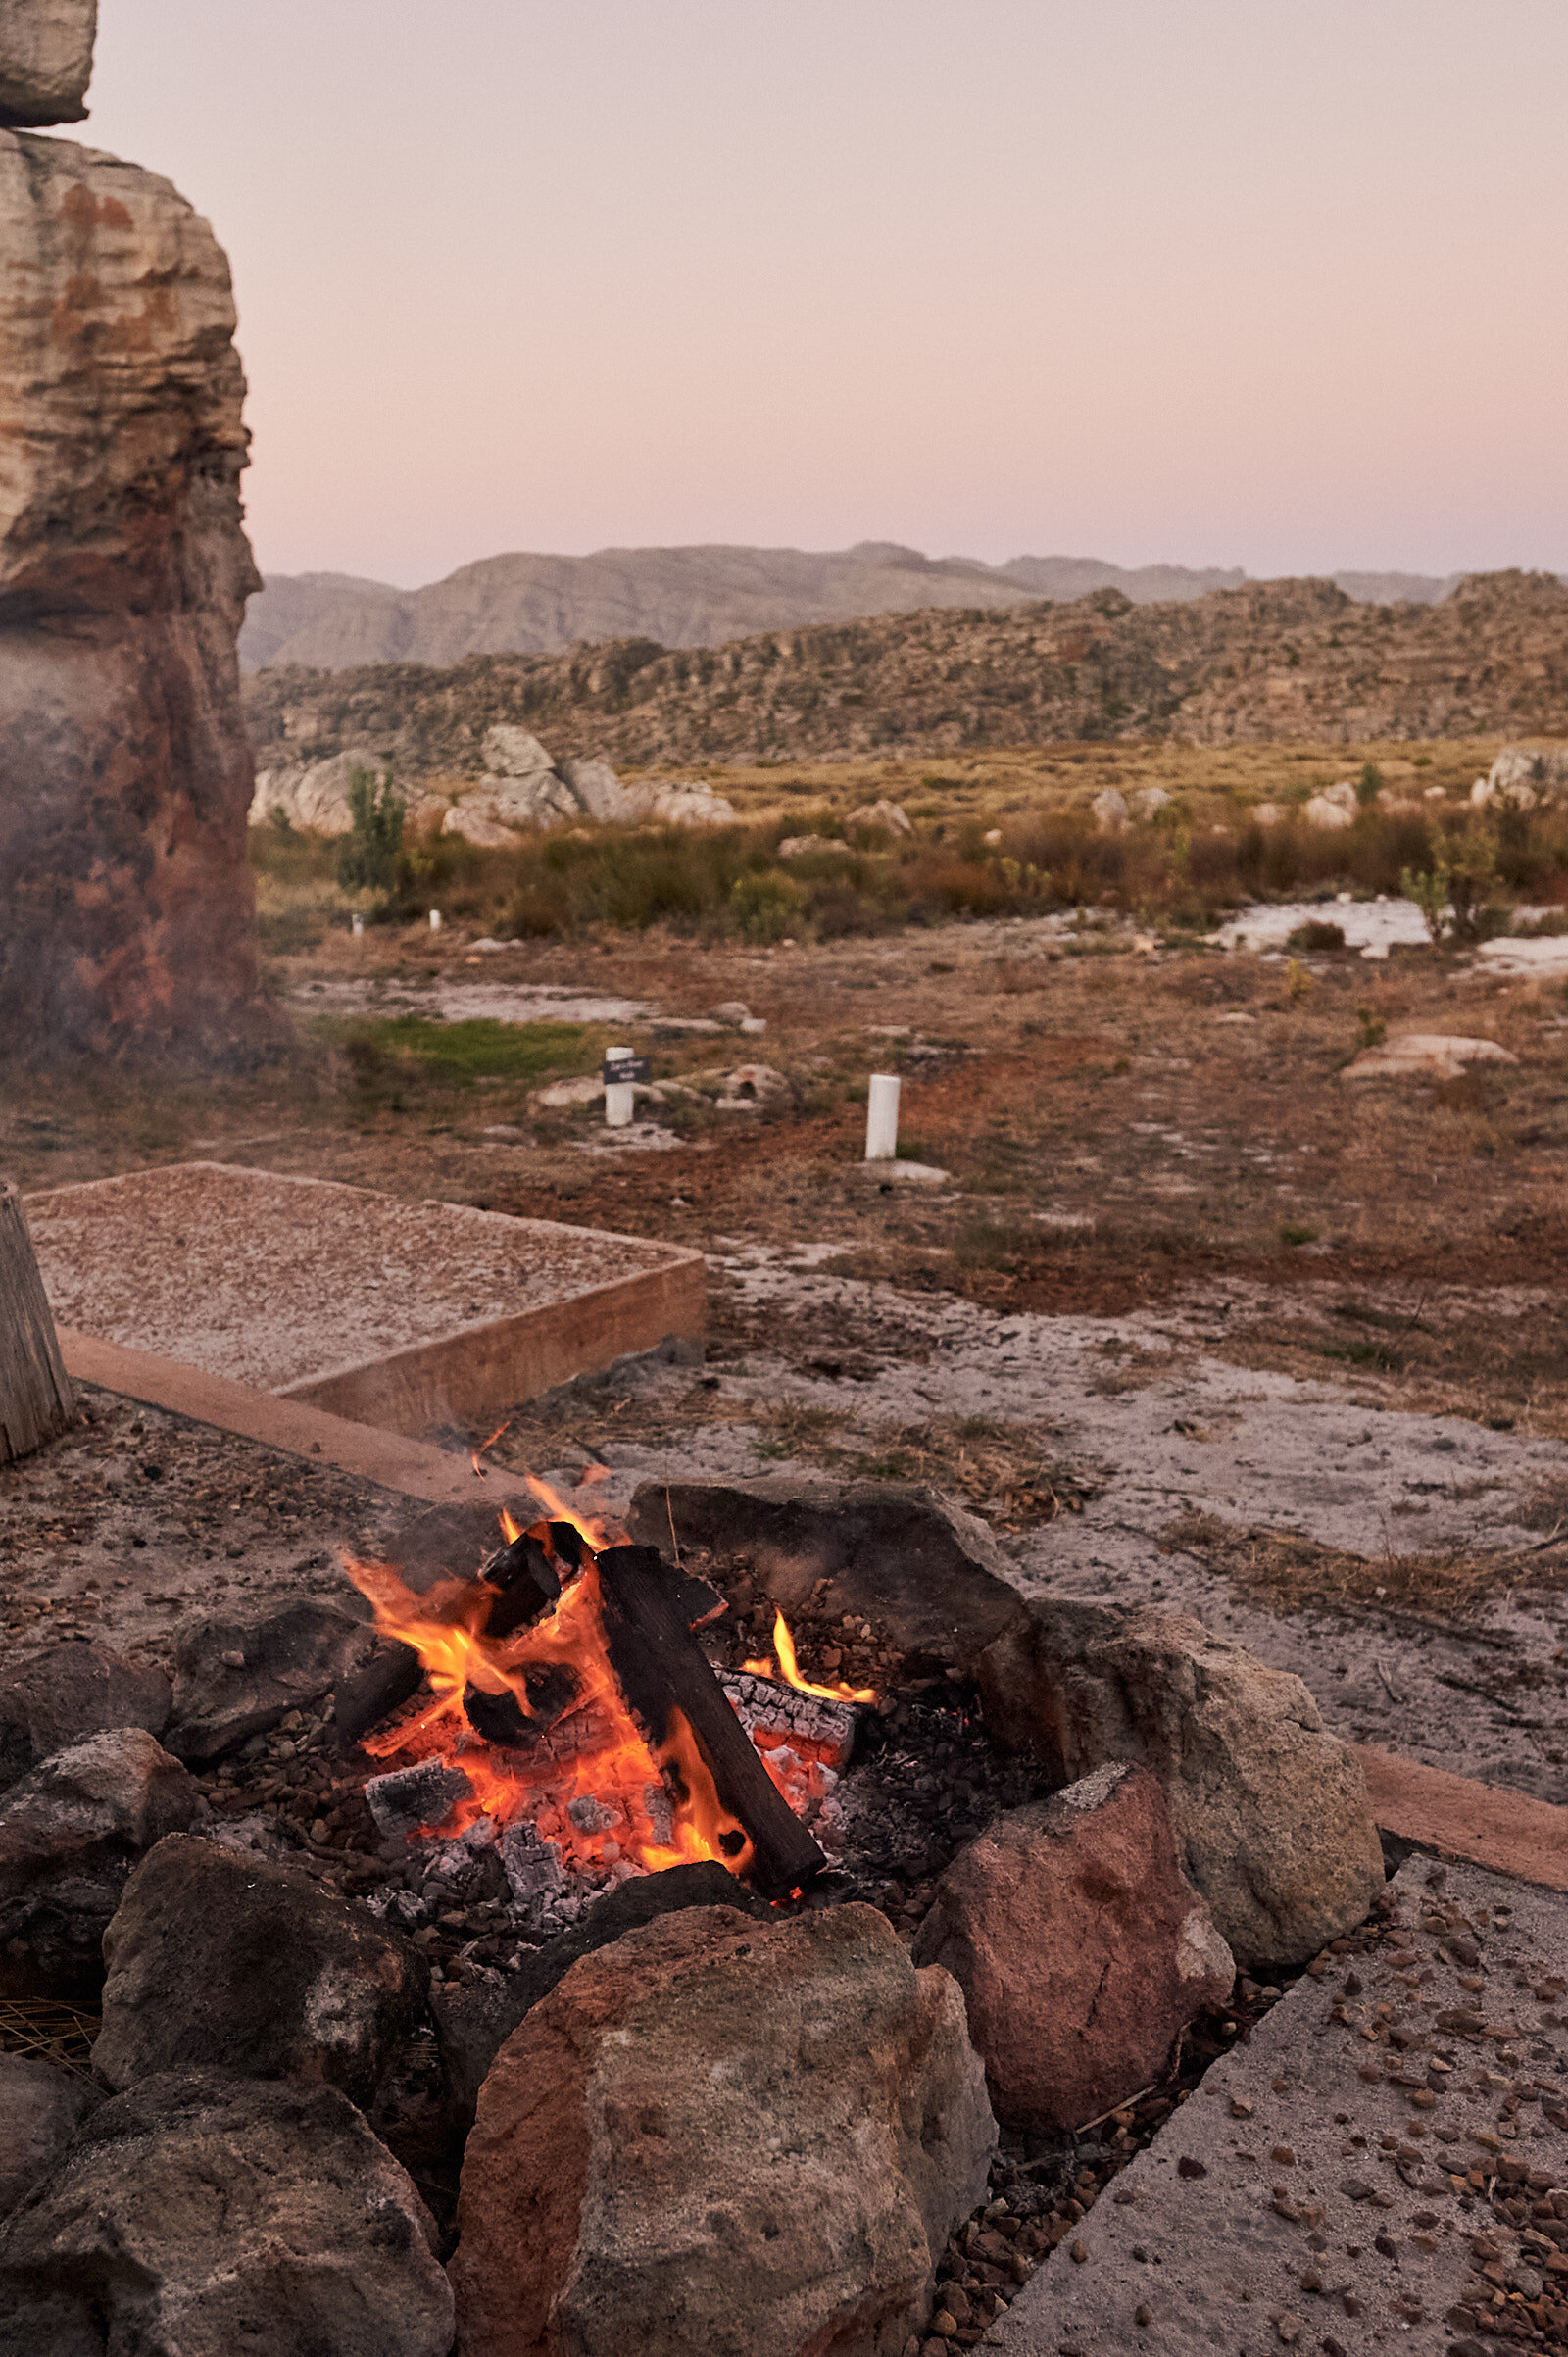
(625, 1067)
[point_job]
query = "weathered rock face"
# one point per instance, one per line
(719, 2137)
(45, 60)
(237, 1674)
(40, 2110)
(57, 1697)
(474, 2019)
(70, 1833)
(222, 1963)
(1270, 1811)
(126, 909)
(1080, 1948)
(210, 2216)
(927, 1572)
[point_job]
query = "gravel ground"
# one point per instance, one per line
(271, 1280)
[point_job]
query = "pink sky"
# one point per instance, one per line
(1213, 281)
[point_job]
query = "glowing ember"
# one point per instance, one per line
(580, 1769)
(788, 1670)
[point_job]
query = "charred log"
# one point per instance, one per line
(662, 1668)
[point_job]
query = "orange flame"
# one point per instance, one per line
(612, 1762)
(788, 1670)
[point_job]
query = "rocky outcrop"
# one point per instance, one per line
(522, 789)
(1080, 1947)
(1273, 1826)
(723, 2135)
(1276, 661)
(217, 1962)
(126, 909)
(45, 60)
(211, 2216)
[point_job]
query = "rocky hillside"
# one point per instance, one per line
(682, 597)
(1273, 661)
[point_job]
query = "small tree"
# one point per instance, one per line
(368, 860)
(1458, 894)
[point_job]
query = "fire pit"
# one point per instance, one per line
(557, 1713)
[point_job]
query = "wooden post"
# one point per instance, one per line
(37, 1400)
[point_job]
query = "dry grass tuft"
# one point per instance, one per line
(47, 2030)
(1293, 1574)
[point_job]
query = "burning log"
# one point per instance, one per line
(663, 1671)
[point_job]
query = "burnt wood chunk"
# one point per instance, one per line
(388, 1680)
(661, 1667)
(526, 1581)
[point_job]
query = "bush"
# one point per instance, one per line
(367, 858)
(1316, 934)
(766, 907)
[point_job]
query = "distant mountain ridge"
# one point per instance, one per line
(1270, 661)
(524, 604)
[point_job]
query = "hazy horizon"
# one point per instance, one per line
(1197, 287)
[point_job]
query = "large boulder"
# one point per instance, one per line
(725, 2138)
(926, 1573)
(1080, 1947)
(474, 2019)
(70, 1833)
(215, 2216)
(42, 2109)
(54, 1697)
(222, 1962)
(45, 60)
(126, 903)
(238, 1674)
(1272, 1822)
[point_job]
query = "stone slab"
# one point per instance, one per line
(1207, 2234)
(401, 1314)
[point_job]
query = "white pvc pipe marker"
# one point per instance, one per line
(882, 1117)
(621, 1097)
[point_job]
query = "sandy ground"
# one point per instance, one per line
(1187, 1318)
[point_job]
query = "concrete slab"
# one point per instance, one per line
(401, 1314)
(1391, 2129)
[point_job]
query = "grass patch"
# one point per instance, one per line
(458, 1054)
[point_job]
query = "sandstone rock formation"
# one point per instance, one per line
(1272, 1821)
(724, 2136)
(1080, 1947)
(522, 788)
(45, 60)
(211, 2216)
(126, 909)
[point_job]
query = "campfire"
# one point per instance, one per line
(558, 1707)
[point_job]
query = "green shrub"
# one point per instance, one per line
(367, 858)
(766, 907)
